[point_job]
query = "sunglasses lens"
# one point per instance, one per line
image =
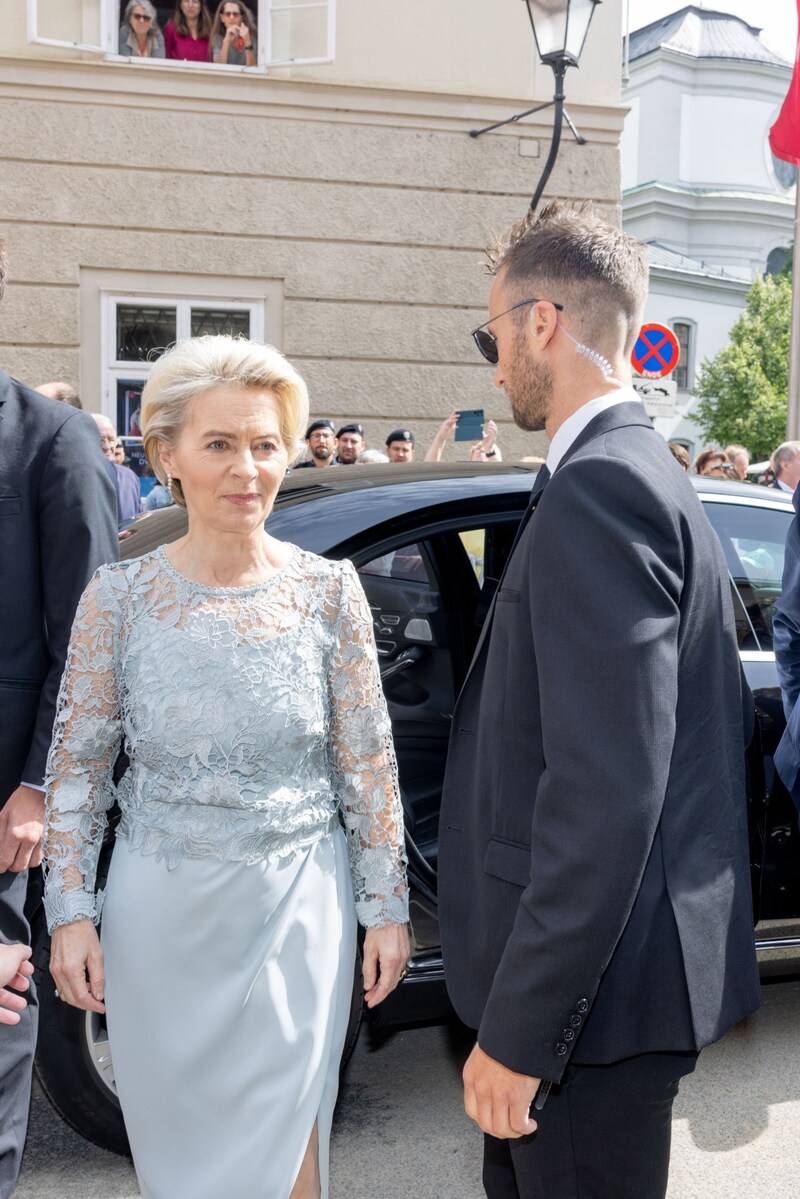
(486, 344)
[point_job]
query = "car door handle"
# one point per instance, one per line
(403, 662)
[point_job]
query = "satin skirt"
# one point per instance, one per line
(228, 991)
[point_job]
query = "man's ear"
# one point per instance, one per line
(542, 323)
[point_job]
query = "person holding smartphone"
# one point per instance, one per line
(233, 36)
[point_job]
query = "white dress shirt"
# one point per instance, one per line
(574, 425)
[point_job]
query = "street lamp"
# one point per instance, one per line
(559, 29)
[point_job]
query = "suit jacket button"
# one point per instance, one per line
(582, 1006)
(561, 1049)
(568, 1034)
(575, 1021)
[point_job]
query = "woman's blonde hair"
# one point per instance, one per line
(197, 365)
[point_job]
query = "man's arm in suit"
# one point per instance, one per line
(77, 533)
(606, 572)
(786, 620)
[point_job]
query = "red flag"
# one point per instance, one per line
(784, 136)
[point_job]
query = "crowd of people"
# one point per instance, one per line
(192, 34)
(781, 471)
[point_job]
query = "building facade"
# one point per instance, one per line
(700, 185)
(328, 200)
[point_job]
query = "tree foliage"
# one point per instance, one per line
(743, 388)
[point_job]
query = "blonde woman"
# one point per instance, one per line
(240, 675)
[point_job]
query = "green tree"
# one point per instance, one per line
(743, 388)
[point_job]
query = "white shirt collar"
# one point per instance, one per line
(574, 425)
(785, 486)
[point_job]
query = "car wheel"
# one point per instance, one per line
(73, 1058)
(73, 1061)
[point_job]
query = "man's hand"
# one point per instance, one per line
(15, 971)
(496, 1098)
(21, 825)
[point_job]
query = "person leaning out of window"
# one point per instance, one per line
(139, 34)
(233, 37)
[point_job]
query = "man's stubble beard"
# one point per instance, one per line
(529, 387)
(322, 453)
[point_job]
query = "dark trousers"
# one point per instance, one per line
(17, 1042)
(604, 1133)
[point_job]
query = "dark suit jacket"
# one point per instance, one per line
(594, 890)
(57, 525)
(786, 639)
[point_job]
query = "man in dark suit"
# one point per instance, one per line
(594, 885)
(57, 525)
(785, 464)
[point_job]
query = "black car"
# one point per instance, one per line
(429, 543)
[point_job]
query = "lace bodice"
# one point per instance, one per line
(253, 717)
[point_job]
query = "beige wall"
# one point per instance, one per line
(360, 212)
(471, 47)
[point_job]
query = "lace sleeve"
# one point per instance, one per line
(363, 763)
(86, 738)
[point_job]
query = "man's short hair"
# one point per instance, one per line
(61, 391)
(783, 456)
(571, 257)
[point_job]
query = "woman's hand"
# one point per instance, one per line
(75, 954)
(386, 951)
(15, 970)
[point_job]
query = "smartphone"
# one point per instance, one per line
(470, 425)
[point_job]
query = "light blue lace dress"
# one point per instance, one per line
(260, 814)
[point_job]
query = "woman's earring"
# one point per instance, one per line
(169, 484)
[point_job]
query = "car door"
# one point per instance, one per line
(753, 537)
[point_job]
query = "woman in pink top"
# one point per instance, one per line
(186, 34)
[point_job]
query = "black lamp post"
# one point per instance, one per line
(559, 28)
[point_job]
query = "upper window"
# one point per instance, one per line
(683, 373)
(280, 32)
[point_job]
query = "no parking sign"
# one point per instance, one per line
(656, 352)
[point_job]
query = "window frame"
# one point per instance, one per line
(115, 370)
(110, 13)
(691, 326)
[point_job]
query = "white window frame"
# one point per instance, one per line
(114, 370)
(109, 32)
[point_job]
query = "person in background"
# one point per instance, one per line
(400, 445)
(15, 971)
(159, 496)
(321, 443)
(128, 487)
(679, 453)
(351, 444)
(139, 34)
(785, 466)
(59, 524)
(739, 457)
(485, 449)
(371, 457)
(119, 453)
(233, 35)
(187, 34)
(708, 460)
(62, 392)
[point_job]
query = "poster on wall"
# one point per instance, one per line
(129, 403)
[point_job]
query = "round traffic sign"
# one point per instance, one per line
(656, 352)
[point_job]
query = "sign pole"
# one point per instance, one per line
(793, 397)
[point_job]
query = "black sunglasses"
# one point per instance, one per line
(140, 16)
(487, 342)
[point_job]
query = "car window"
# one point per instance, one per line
(754, 540)
(406, 563)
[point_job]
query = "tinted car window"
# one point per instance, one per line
(754, 540)
(406, 563)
